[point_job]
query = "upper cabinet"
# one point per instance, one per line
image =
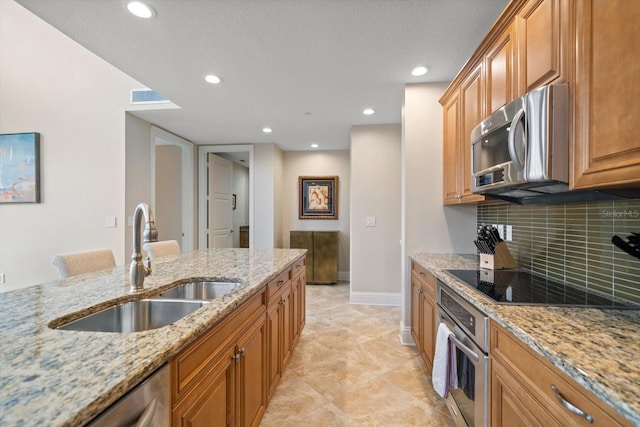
(542, 28)
(605, 144)
(499, 70)
(589, 44)
(462, 112)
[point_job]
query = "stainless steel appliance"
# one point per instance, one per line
(523, 149)
(468, 403)
(147, 405)
(527, 288)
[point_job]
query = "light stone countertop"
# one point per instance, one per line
(56, 377)
(598, 348)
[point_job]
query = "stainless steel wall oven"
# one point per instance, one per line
(468, 403)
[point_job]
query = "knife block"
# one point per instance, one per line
(501, 259)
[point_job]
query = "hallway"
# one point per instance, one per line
(349, 369)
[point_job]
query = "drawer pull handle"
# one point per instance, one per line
(280, 282)
(569, 406)
(422, 274)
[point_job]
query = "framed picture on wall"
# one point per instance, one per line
(20, 168)
(318, 197)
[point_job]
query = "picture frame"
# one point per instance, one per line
(318, 197)
(20, 168)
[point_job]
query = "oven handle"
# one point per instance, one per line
(466, 350)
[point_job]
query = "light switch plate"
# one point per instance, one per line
(111, 221)
(370, 221)
(1, 278)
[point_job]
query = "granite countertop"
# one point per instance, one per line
(57, 377)
(597, 348)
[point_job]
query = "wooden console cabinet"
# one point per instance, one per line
(322, 254)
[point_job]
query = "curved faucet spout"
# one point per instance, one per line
(138, 271)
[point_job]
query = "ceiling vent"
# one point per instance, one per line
(147, 96)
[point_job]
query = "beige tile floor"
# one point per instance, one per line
(349, 369)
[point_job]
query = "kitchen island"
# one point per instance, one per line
(597, 348)
(57, 377)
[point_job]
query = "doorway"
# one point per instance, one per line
(214, 216)
(172, 187)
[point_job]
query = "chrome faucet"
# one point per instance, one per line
(138, 271)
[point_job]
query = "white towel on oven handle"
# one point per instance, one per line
(444, 374)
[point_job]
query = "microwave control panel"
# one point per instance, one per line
(490, 178)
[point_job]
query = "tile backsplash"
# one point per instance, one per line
(572, 242)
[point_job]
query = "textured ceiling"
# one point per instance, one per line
(306, 68)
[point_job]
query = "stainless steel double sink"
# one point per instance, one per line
(152, 313)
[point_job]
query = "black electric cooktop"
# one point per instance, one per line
(522, 287)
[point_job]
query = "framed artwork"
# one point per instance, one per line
(318, 197)
(20, 168)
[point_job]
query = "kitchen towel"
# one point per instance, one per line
(444, 375)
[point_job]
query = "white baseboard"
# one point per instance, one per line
(376, 298)
(405, 334)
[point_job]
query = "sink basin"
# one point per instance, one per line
(135, 316)
(203, 290)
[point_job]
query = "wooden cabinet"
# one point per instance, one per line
(244, 236)
(423, 316)
(499, 75)
(522, 389)
(605, 146)
(544, 45)
(226, 377)
(462, 112)
(322, 254)
(217, 365)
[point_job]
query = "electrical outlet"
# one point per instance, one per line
(370, 221)
(1, 278)
(509, 233)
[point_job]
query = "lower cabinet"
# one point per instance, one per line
(423, 317)
(226, 377)
(527, 390)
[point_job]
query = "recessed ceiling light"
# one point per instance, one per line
(368, 111)
(420, 71)
(140, 9)
(213, 79)
(314, 145)
(267, 130)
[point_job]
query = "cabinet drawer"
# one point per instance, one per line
(298, 267)
(425, 277)
(538, 375)
(280, 282)
(188, 367)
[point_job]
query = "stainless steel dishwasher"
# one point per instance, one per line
(146, 405)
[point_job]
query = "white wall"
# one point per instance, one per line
(241, 190)
(319, 163)
(267, 199)
(76, 101)
(428, 226)
(375, 192)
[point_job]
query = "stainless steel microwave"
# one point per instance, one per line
(523, 145)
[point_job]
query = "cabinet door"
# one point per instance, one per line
(511, 405)
(500, 72)
(273, 347)
(451, 147)
(416, 325)
(286, 322)
(542, 28)
(251, 356)
(606, 147)
(212, 402)
(295, 306)
(428, 305)
(471, 114)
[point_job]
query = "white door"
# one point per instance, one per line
(219, 197)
